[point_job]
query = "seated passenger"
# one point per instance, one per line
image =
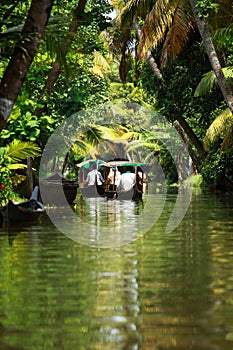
(114, 176)
(127, 181)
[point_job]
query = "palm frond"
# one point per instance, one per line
(16, 166)
(183, 25)
(80, 146)
(158, 21)
(222, 36)
(20, 150)
(223, 17)
(150, 156)
(11, 33)
(109, 133)
(93, 135)
(227, 144)
(54, 37)
(218, 128)
(131, 135)
(134, 8)
(119, 109)
(209, 80)
(100, 65)
(134, 145)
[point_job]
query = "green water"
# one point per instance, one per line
(160, 291)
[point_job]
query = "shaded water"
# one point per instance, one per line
(161, 291)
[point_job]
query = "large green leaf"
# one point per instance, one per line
(20, 150)
(218, 128)
(227, 144)
(209, 80)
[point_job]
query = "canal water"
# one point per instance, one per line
(159, 291)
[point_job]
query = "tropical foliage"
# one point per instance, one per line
(151, 54)
(11, 161)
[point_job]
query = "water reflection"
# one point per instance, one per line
(163, 291)
(99, 222)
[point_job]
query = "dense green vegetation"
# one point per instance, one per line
(86, 59)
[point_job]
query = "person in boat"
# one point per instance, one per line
(94, 177)
(127, 181)
(114, 176)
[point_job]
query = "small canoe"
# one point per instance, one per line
(25, 211)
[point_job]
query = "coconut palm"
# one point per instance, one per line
(213, 58)
(168, 21)
(96, 141)
(173, 22)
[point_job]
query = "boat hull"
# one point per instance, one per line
(24, 212)
(134, 194)
(94, 191)
(52, 187)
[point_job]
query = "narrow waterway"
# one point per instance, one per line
(159, 291)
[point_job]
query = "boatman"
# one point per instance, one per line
(94, 176)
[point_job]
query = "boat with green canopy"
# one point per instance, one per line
(124, 179)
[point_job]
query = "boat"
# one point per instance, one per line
(134, 188)
(25, 211)
(111, 189)
(52, 184)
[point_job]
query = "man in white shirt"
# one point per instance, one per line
(94, 177)
(127, 181)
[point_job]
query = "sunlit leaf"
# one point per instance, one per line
(218, 128)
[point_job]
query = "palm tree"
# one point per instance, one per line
(95, 141)
(213, 58)
(168, 21)
(173, 22)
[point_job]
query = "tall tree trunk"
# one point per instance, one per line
(23, 56)
(149, 56)
(213, 58)
(196, 160)
(192, 136)
(56, 68)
